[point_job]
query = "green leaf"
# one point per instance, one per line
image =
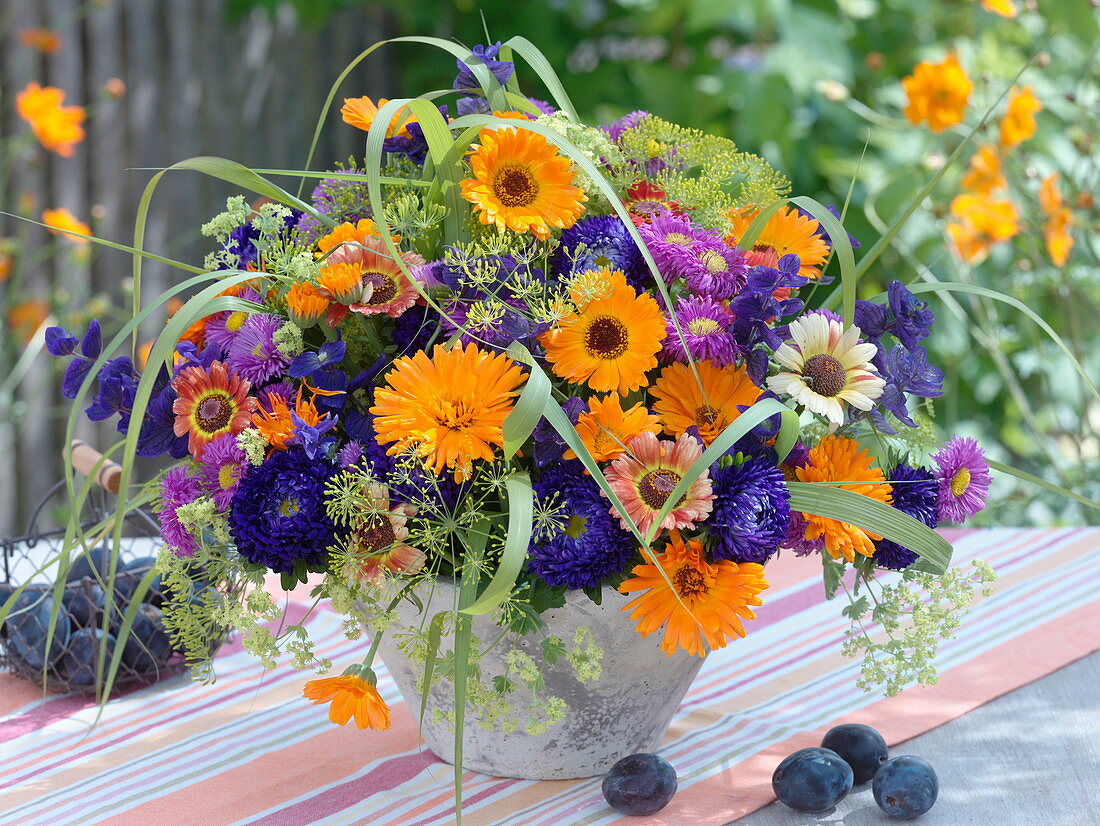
(1043, 483)
(525, 416)
(521, 499)
(832, 572)
(435, 634)
(842, 248)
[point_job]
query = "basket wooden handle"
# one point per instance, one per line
(84, 459)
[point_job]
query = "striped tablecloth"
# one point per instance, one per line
(249, 749)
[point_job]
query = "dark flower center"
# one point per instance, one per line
(214, 412)
(382, 293)
(656, 486)
(378, 536)
(515, 186)
(606, 338)
(824, 374)
(689, 582)
(706, 415)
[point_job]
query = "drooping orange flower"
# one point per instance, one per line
(710, 402)
(937, 93)
(361, 112)
(1018, 124)
(58, 128)
(42, 40)
(275, 422)
(522, 183)
(841, 463)
(706, 602)
(210, 403)
(610, 344)
(788, 231)
(978, 223)
(450, 407)
(306, 304)
(352, 694)
(1059, 219)
(983, 176)
(64, 223)
(605, 427)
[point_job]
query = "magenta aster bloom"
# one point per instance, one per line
(253, 354)
(222, 328)
(222, 467)
(796, 537)
(285, 390)
(963, 476)
(177, 487)
(706, 326)
(672, 241)
(718, 270)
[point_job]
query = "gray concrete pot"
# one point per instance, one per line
(625, 711)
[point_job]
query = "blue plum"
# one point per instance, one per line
(905, 787)
(27, 626)
(79, 663)
(97, 560)
(640, 784)
(812, 780)
(148, 646)
(860, 746)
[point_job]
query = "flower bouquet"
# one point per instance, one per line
(528, 364)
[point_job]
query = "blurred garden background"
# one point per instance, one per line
(818, 87)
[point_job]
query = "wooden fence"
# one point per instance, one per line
(196, 83)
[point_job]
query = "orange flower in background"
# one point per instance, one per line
(1005, 8)
(978, 223)
(706, 602)
(937, 93)
(788, 231)
(1018, 124)
(983, 176)
(41, 40)
(1050, 197)
(710, 402)
(1059, 219)
(605, 427)
(841, 463)
(361, 112)
(25, 318)
(522, 183)
(58, 128)
(64, 223)
(6, 261)
(351, 696)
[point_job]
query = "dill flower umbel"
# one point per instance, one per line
(937, 93)
(788, 232)
(705, 604)
(710, 402)
(521, 183)
(351, 695)
(963, 476)
(450, 406)
(841, 463)
(209, 403)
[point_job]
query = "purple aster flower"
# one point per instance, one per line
(963, 476)
(598, 241)
(671, 240)
(752, 509)
(277, 517)
(177, 487)
(796, 537)
(705, 325)
(349, 454)
(718, 270)
(285, 389)
(223, 466)
(501, 69)
(592, 546)
(549, 445)
(914, 494)
(253, 354)
(543, 106)
(632, 120)
(222, 328)
(912, 319)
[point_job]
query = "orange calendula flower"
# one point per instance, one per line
(209, 404)
(449, 407)
(361, 112)
(788, 231)
(306, 304)
(41, 40)
(983, 176)
(58, 128)
(841, 463)
(605, 427)
(978, 223)
(1018, 124)
(705, 604)
(521, 183)
(1059, 219)
(610, 344)
(710, 402)
(64, 223)
(352, 694)
(937, 93)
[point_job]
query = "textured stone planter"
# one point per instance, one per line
(626, 711)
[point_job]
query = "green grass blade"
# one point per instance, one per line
(521, 499)
(541, 67)
(1043, 483)
(435, 634)
(842, 249)
(525, 416)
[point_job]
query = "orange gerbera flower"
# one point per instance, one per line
(306, 304)
(64, 223)
(841, 463)
(521, 183)
(209, 404)
(1059, 242)
(984, 173)
(606, 428)
(352, 694)
(978, 223)
(788, 231)
(451, 407)
(937, 93)
(361, 112)
(58, 128)
(1018, 124)
(610, 344)
(710, 402)
(706, 602)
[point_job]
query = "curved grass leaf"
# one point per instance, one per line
(521, 499)
(841, 248)
(1043, 483)
(525, 416)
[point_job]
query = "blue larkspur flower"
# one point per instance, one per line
(912, 319)
(592, 545)
(278, 516)
(502, 70)
(307, 363)
(600, 241)
(751, 512)
(907, 372)
(914, 492)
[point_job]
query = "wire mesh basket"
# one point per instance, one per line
(90, 610)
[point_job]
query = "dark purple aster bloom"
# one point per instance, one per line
(592, 545)
(177, 487)
(254, 354)
(719, 270)
(59, 342)
(796, 537)
(912, 318)
(751, 511)
(549, 445)
(962, 472)
(914, 494)
(907, 372)
(415, 329)
(705, 324)
(822, 233)
(601, 241)
(502, 69)
(277, 517)
(309, 362)
(311, 437)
